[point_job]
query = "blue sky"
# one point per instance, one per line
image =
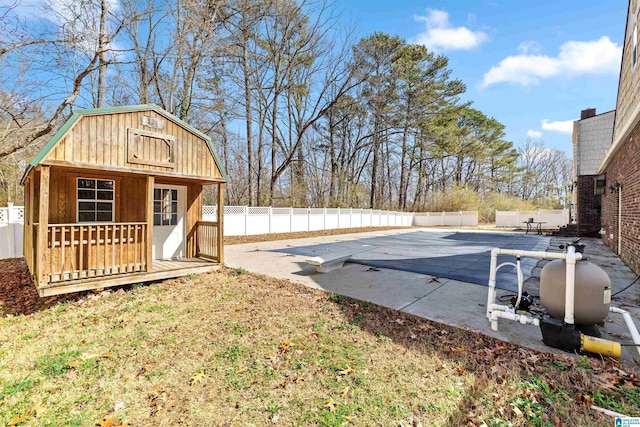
(533, 65)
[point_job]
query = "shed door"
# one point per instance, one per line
(169, 202)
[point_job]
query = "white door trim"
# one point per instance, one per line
(165, 244)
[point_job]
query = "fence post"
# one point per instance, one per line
(291, 220)
(324, 218)
(10, 216)
(270, 218)
(246, 219)
(10, 230)
(460, 219)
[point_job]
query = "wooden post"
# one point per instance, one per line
(29, 249)
(149, 220)
(220, 223)
(43, 225)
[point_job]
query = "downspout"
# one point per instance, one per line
(619, 220)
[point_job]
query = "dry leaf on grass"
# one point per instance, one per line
(344, 391)
(584, 399)
(197, 378)
(107, 422)
(111, 422)
(38, 409)
(330, 404)
(285, 346)
(18, 420)
(347, 371)
(75, 363)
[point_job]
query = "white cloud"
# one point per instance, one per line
(439, 35)
(529, 47)
(574, 58)
(558, 126)
(58, 11)
(534, 134)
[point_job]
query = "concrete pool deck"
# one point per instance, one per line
(440, 299)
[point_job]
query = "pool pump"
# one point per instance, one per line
(575, 293)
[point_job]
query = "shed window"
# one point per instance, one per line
(165, 206)
(600, 184)
(95, 200)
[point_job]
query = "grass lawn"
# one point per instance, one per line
(233, 348)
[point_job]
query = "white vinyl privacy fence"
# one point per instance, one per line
(244, 220)
(549, 218)
(11, 229)
(454, 219)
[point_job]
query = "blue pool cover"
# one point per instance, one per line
(457, 255)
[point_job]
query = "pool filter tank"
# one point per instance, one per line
(592, 291)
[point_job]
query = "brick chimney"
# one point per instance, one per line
(586, 113)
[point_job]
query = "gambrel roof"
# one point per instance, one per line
(123, 133)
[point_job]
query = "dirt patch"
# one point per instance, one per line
(18, 294)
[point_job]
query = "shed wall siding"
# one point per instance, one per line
(129, 192)
(101, 140)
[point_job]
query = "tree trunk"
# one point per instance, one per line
(102, 57)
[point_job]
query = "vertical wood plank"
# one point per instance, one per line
(128, 248)
(177, 145)
(107, 141)
(121, 231)
(97, 249)
(52, 240)
(73, 250)
(143, 246)
(149, 221)
(113, 248)
(220, 233)
(136, 249)
(107, 245)
(98, 138)
(29, 249)
(43, 223)
(119, 141)
(81, 249)
(63, 251)
(68, 147)
(89, 249)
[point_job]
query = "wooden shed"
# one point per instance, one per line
(115, 197)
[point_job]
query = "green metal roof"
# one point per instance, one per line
(124, 109)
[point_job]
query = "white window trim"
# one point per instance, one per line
(176, 214)
(113, 213)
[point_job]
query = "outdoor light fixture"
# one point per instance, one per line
(615, 186)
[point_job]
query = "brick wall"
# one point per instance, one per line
(589, 206)
(625, 167)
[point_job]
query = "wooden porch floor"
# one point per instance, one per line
(161, 269)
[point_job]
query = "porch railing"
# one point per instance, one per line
(80, 251)
(205, 240)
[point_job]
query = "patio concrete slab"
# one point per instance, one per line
(449, 301)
